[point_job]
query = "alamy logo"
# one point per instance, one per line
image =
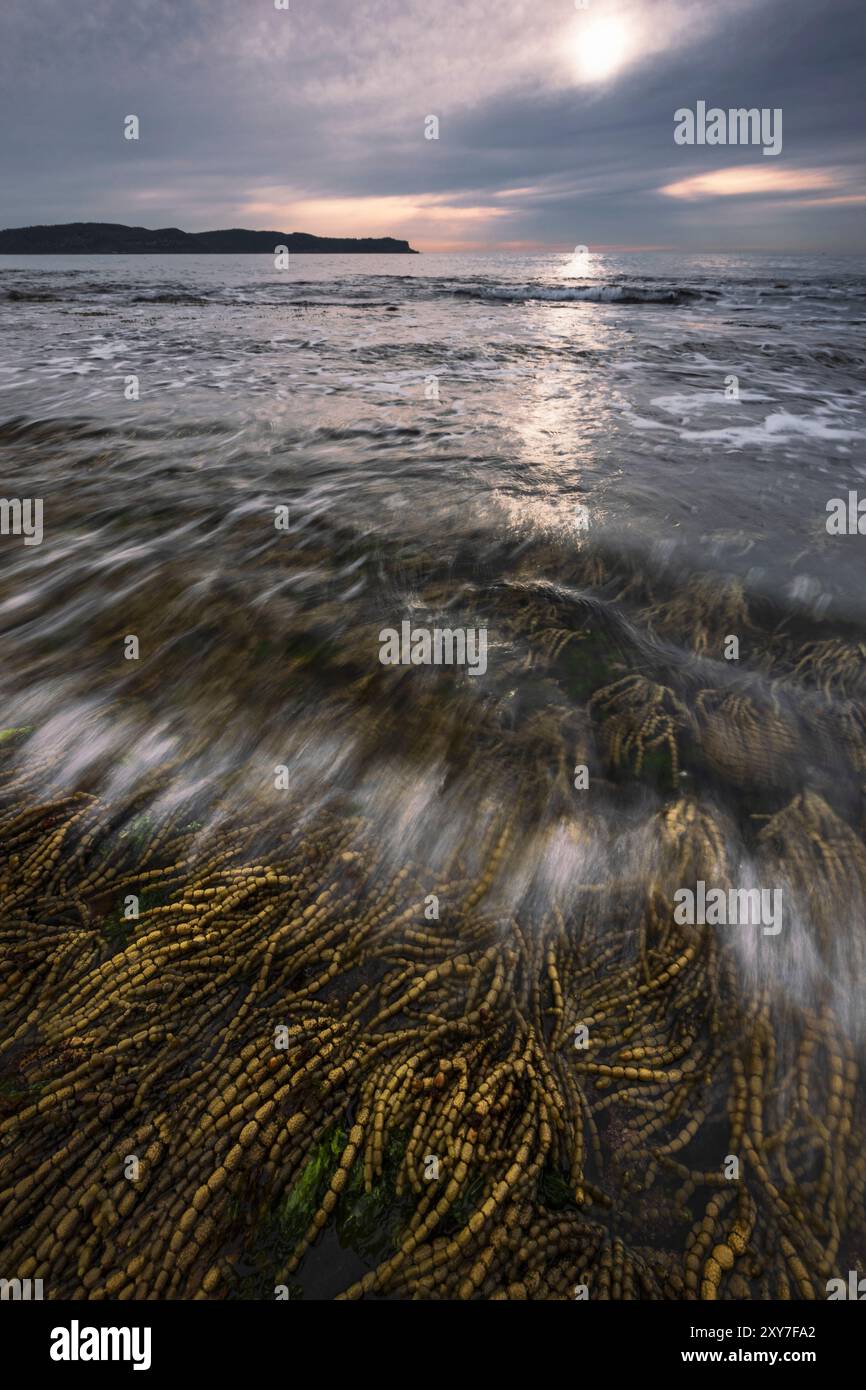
(856, 1288)
(22, 516)
(737, 126)
(846, 518)
(423, 646)
(23, 1290)
(736, 907)
(75, 1343)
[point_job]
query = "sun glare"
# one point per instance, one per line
(580, 263)
(603, 45)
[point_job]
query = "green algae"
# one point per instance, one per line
(370, 1223)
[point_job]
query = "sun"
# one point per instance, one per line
(603, 46)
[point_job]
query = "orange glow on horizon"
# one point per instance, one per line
(427, 221)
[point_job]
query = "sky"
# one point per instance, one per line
(556, 120)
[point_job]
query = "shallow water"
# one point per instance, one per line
(577, 397)
(437, 426)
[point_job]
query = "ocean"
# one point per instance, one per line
(438, 427)
(618, 468)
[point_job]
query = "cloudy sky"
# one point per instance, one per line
(556, 121)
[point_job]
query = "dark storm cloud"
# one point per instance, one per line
(314, 119)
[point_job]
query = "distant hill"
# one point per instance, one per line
(112, 238)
